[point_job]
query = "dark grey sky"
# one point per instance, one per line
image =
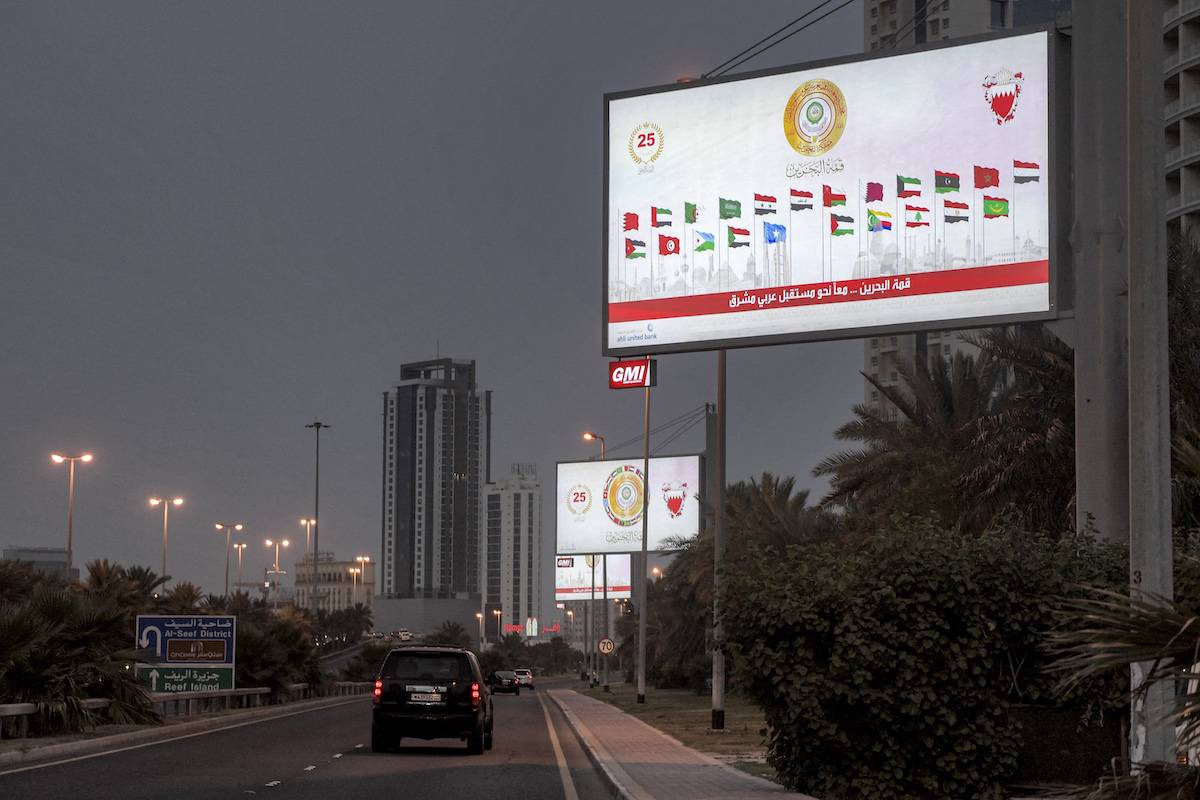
(221, 220)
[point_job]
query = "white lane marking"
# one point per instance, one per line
(310, 767)
(273, 784)
(564, 773)
(116, 750)
(337, 755)
(359, 746)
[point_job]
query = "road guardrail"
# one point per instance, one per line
(14, 717)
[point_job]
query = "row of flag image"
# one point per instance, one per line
(908, 189)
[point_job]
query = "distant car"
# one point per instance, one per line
(525, 676)
(404, 635)
(430, 692)
(504, 681)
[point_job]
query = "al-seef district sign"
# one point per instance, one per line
(902, 193)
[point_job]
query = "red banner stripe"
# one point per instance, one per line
(920, 283)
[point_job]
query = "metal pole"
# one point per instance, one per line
(240, 549)
(1150, 558)
(228, 542)
(316, 425)
(166, 512)
(640, 572)
(718, 658)
(70, 511)
(604, 621)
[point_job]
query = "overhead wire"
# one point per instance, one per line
(803, 27)
(766, 38)
(683, 419)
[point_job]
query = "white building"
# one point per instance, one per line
(512, 552)
(338, 584)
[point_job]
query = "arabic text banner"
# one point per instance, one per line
(573, 577)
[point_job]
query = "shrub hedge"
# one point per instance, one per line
(886, 667)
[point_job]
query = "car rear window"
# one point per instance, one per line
(426, 666)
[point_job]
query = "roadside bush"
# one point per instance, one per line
(366, 662)
(886, 668)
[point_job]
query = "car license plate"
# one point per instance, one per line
(425, 697)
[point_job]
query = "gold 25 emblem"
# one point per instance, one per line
(646, 143)
(815, 117)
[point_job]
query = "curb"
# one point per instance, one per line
(614, 776)
(166, 731)
(626, 788)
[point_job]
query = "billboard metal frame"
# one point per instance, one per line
(1058, 148)
(702, 493)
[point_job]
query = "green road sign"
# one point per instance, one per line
(167, 678)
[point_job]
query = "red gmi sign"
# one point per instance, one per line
(632, 373)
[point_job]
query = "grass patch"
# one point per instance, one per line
(687, 716)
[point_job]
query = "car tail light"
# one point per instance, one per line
(378, 691)
(474, 695)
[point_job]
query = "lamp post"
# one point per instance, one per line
(499, 614)
(276, 543)
(59, 458)
(166, 504)
(312, 565)
(240, 546)
(570, 624)
(479, 617)
(229, 528)
(362, 565)
(656, 572)
(589, 436)
(317, 426)
(354, 573)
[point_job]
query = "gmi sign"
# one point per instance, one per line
(632, 373)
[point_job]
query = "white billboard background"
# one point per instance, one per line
(906, 115)
(598, 506)
(573, 577)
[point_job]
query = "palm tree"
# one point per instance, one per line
(184, 597)
(109, 582)
(910, 464)
(450, 633)
(148, 583)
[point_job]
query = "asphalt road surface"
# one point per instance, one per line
(325, 753)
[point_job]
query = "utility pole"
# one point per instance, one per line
(639, 573)
(717, 493)
(316, 520)
(1122, 440)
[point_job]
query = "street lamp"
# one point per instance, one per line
(588, 436)
(316, 426)
(229, 528)
(656, 572)
(59, 458)
(498, 614)
(277, 543)
(240, 546)
(308, 523)
(354, 573)
(362, 566)
(479, 616)
(166, 504)
(570, 624)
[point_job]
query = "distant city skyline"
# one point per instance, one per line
(223, 221)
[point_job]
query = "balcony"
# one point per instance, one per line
(1173, 13)
(1188, 104)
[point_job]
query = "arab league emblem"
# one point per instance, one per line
(1001, 91)
(623, 496)
(814, 117)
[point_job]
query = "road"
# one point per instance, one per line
(324, 753)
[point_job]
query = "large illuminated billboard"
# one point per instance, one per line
(573, 577)
(599, 504)
(910, 192)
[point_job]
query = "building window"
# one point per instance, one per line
(874, 361)
(874, 343)
(997, 13)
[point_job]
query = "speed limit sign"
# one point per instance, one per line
(606, 645)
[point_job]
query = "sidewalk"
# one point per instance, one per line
(641, 763)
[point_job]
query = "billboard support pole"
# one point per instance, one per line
(718, 500)
(1149, 435)
(604, 616)
(643, 588)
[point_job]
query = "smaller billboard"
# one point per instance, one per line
(632, 373)
(573, 577)
(599, 504)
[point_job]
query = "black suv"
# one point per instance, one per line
(428, 692)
